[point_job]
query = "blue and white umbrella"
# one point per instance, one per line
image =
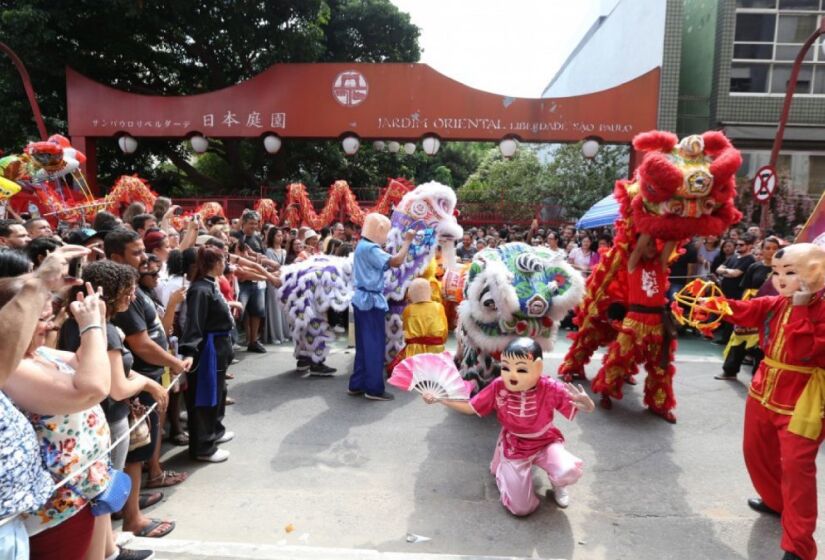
(603, 213)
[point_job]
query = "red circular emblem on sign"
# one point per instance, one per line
(350, 88)
(764, 183)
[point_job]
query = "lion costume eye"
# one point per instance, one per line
(528, 263)
(487, 300)
(419, 209)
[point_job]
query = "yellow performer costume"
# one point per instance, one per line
(425, 323)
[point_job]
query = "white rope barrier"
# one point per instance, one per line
(103, 454)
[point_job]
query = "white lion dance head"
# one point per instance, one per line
(428, 209)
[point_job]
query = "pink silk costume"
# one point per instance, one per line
(528, 437)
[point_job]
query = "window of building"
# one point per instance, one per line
(756, 3)
(812, 5)
(816, 185)
(749, 77)
(781, 76)
(768, 37)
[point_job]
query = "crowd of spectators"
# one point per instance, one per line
(102, 323)
(99, 324)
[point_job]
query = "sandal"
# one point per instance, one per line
(149, 499)
(156, 529)
(166, 479)
(181, 439)
(145, 501)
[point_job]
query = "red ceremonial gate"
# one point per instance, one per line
(370, 101)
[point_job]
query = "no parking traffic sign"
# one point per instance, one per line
(764, 183)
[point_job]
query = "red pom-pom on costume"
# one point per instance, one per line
(655, 141)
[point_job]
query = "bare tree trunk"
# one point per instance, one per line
(203, 181)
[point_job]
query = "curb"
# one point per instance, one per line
(188, 549)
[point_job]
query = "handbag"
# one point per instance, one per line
(114, 497)
(139, 435)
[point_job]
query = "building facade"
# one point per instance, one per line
(725, 65)
(756, 43)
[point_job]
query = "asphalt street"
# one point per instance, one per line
(315, 470)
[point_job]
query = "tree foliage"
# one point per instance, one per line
(184, 47)
(557, 176)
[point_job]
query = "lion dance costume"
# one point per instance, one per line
(511, 291)
(681, 189)
(320, 283)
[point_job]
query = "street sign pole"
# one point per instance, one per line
(786, 108)
(763, 186)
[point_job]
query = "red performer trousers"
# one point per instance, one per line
(639, 342)
(782, 467)
(591, 337)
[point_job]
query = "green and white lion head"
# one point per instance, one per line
(517, 290)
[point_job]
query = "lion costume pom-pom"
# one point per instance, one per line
(684, 188)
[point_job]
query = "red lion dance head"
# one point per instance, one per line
(683, 188)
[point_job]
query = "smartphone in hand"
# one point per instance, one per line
(75, 269)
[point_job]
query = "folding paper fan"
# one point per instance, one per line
(431, 374)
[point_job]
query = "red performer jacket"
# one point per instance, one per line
(790, 336)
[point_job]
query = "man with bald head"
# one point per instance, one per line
(784, 409)
(370, 307)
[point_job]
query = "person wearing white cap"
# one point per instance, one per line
(310, 239)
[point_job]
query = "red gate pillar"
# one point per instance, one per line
(89, 148)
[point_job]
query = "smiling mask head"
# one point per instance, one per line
(799, 267)
(521, 364)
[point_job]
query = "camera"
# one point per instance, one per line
(178, 211)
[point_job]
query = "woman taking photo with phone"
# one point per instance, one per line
(60, 393)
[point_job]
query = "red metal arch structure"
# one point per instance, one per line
(373, 101)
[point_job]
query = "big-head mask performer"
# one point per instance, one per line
(524, 402)
(370, 306)
(784, 409)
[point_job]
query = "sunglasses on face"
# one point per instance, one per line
(155, 273)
